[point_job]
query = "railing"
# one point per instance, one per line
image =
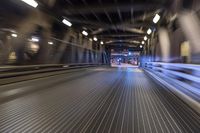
(185, 77)
(12, 74)
(182, 79)
(13, 71)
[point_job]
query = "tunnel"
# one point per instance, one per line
(99, 66)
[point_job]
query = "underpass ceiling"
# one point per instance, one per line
(107, 19)
(112, 19)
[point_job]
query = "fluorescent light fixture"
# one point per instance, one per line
(50, 43)
(156, 18)
(149, 31)
(85, 33)
(32, 3)
(14, 35)
(145, 38)
(66, 22)
(143, 42)
(141, 46)
(102, 43)
(95, 39)
(34, 39)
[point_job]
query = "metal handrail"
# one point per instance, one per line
(176, 65)
(10, 71)
(177, 74)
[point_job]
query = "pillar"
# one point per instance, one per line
(164, 44)
(190, 26)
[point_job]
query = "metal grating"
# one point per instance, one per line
(109, 100)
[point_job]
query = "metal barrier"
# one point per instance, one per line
(23, 73)
(13, 71)
(185, 77)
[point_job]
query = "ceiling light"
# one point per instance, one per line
(32, 3)
(149, 31)
(14, 35)
(34, 39)
(142, 42)
(95, 39)
(90, 39)
(50, 43)
(156, 18)
(66, 22)
(145, 38)
(141, 46)
(85, 33)
(102, 43)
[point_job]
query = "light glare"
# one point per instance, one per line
(145, 38)
(149, 31)
(50, 43)
(35, 39)
(156, 18)
(67, 22)
(14, 35)
(32, 3)
(85, 33)
(95, 39)
(142, 42)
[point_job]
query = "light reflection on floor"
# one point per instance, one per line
(124, 65)
(127, 67)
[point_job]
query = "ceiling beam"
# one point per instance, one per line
(74, 10)
(130, 26)
(88, 22)
(122, 44)
(123, 28)
(119, 35)
(124, 41)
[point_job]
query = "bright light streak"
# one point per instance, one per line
(95, 39)
(34, 39)
(66, 22)
(145, 38)
(149, 31)
(50, 43)
(102, 43)
(14, 35)
(32, 3)
(156, 18)
(85, 33)
(143, 42)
